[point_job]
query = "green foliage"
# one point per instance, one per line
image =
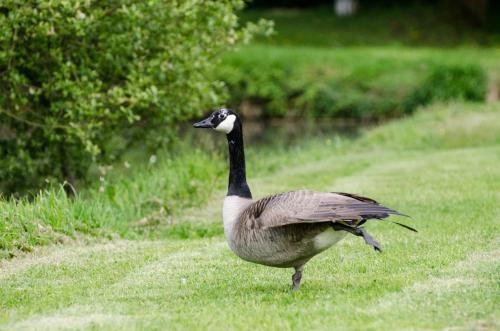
(77, 74)
(140, 200)
(447, 82)
(318, 64)
(127, 201)
(354, 83)
(410, 24)
(260, 80)
(342, 99)
(448, 272)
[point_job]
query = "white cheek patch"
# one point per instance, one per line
(227, 125)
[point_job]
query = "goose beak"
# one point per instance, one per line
(206, 123)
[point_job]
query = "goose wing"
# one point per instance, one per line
(310, 207)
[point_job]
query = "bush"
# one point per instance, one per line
(341, 99)
(79, 74)
(361, 84)
(260, 81)
(448, 82)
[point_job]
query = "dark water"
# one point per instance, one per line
(294, 131)
(283, 133)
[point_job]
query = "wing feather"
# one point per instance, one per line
(310, 207)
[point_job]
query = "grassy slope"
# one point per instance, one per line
(121, 200)
(365, 66)
(409, 25)
(366, 62)
(346, 82)
(396, 70)
(441, 167)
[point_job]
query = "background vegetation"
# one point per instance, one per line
(318, 64)
(397, 103)
(440, 166)
(82, 80)
(359, 83)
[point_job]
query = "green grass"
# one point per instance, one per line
(124, 202)
(374, 65)
(440, 166)
(354, 82)
(136, 251)
(408, 25)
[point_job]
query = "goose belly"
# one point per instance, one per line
(328, 238)
(286, 246)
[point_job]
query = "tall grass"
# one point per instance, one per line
(123, 202)
(440, 166)
(132, 201)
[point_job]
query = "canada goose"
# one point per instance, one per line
(286, 229)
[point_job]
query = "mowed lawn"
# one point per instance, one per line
(441, 166)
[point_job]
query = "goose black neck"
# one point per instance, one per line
(237, 172)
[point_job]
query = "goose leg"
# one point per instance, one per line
(297, 276)
(360, 232)
(369, 240)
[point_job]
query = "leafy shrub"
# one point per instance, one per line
(342, 83)
(447, 82)
(76, 75)
(260, 81)
(340, 99)
(283, 89)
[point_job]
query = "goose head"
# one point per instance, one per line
(222, 120)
